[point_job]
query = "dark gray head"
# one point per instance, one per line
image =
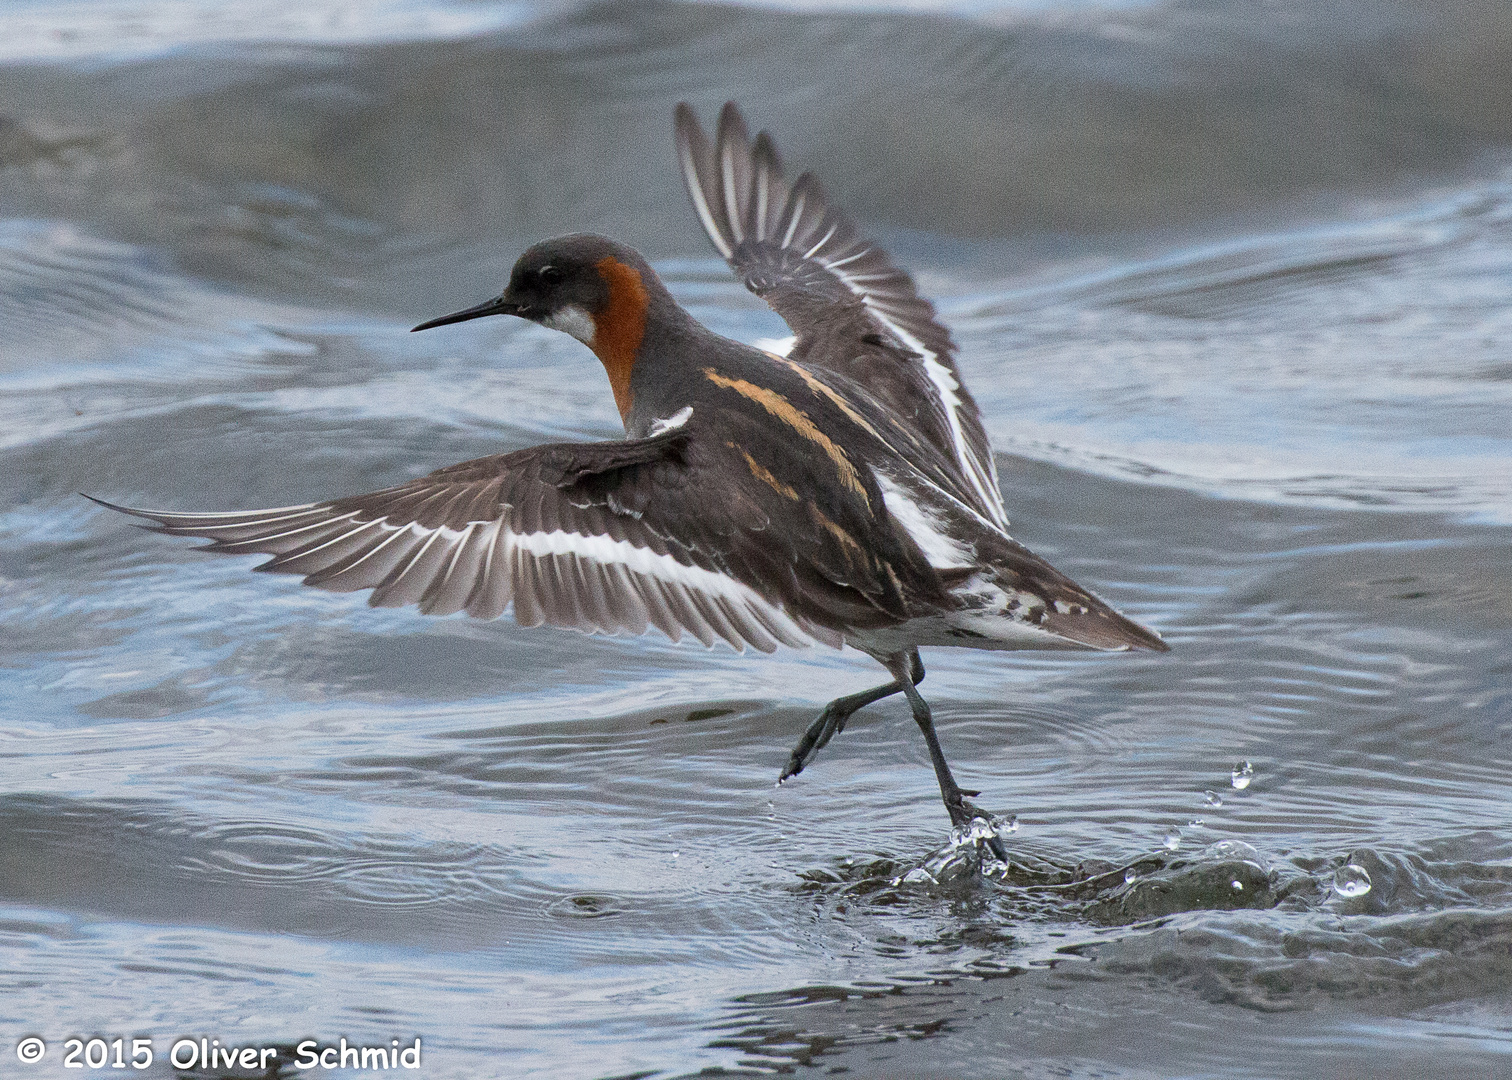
(599, 291)
(578, 284)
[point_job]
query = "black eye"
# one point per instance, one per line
(549, 275)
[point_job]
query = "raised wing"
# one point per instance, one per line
(852, 310)
(602, 537)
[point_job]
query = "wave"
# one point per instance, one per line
(1048, 121)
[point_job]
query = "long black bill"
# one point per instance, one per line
(498, 306)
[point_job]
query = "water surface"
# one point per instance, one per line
(1234, 290)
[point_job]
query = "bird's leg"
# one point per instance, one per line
(831, 721)
(961, 811)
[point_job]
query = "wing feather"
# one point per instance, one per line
(852, 310)
(494, 590)
(535, 530)
(448, 591)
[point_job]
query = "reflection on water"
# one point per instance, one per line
(1245, 357)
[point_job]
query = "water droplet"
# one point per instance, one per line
(1131, 875)
(1212, 798)
(1226, 850)
(675, 854)
(1351, 881)
(1172, 839)
(1237, 886)
(1243, 773)
(981, 828)
(1196, 823)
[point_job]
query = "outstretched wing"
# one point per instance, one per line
(852, 310)
(603, 537)
(610, 537)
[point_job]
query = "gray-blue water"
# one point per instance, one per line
(1233, 285)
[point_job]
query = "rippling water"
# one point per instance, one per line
(1233, 284)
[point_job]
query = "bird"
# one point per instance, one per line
(842, 493)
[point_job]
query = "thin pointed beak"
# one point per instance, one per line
(499, 306)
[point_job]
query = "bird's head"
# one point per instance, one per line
(582, 285)
(591, 287)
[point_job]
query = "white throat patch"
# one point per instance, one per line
(573, 320)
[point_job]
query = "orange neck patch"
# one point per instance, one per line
(618, 329)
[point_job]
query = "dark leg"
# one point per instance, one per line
(832, 720)
(961, 811)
